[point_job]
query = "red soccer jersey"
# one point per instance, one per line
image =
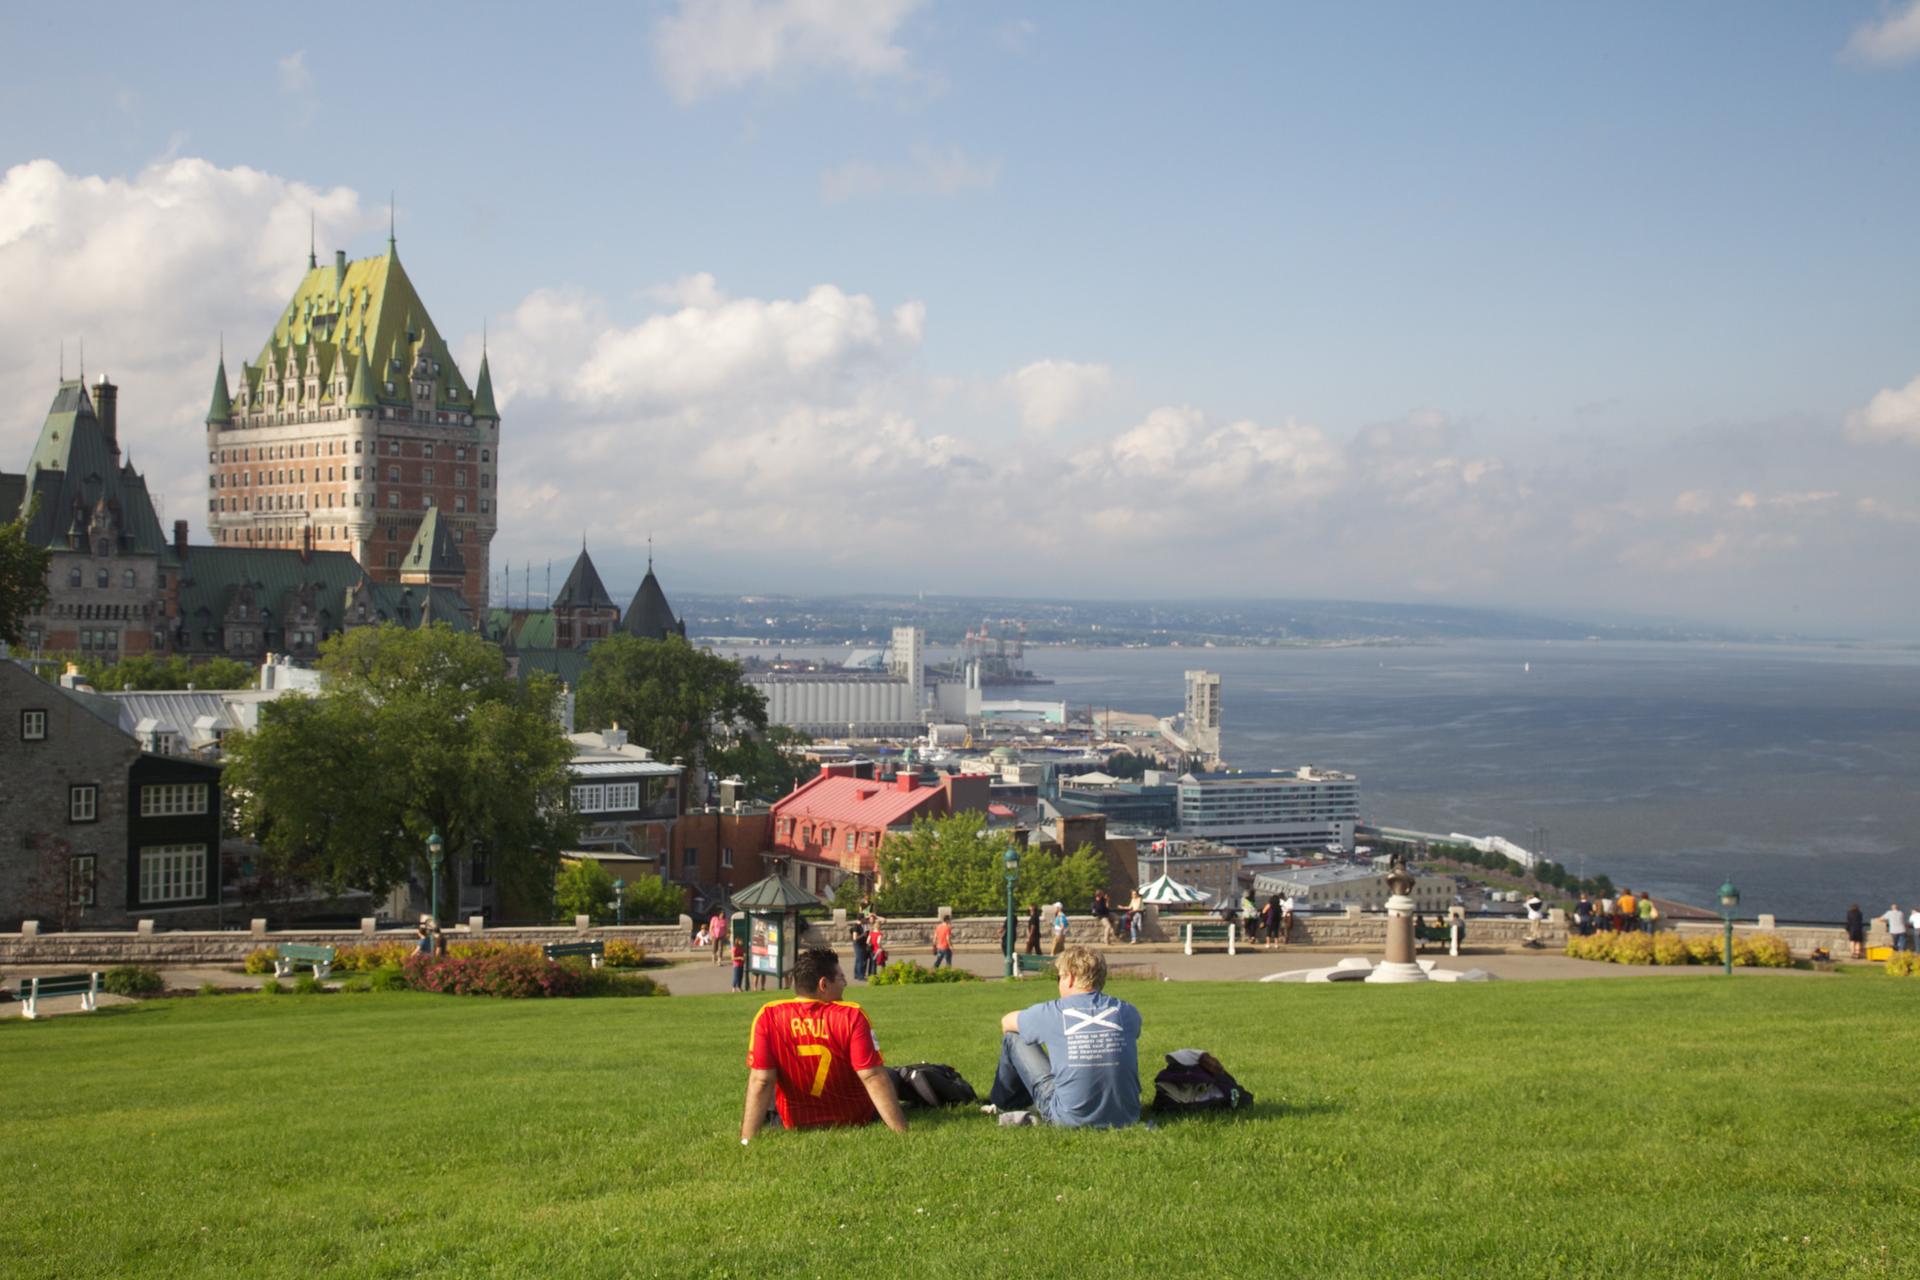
(816, 1048)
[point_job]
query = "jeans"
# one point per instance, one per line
(739, 977)
(860, 965)
(1899, 942)
(1133, 926)
(1024, 1078)
(943, 956)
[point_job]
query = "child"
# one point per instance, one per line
(739, 965)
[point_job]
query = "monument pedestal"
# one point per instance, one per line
(1399, 966)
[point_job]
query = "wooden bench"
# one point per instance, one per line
(595, 952)
(290, 954)
(1033, 964)
(84, 985)
(1223, 932)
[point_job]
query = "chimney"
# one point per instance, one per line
(613, 739)
(339, 266)
(180, 538)
(306, 543)
(106, 407)
(906, 781)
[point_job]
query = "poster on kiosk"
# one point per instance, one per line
(765, 952)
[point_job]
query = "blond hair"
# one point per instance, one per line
(1083, 967)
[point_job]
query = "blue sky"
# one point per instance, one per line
(1605, 308)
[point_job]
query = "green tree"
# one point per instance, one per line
(416, 731)
(583, 888)
(1125, 764)
(679, 702)
(144, 671)
(651, 898)
(768, 763)
(951, 861)
(23, 575)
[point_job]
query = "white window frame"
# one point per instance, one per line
(172, 799)
(80, 880)
(83, 802)
(173, 873)
(33, 723)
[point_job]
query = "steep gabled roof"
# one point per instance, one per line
(433, 550)
(220, 410)
(483, 392)
(650, 616)
(583, 588)
(74, 469)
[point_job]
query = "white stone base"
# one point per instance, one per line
(1387, 971)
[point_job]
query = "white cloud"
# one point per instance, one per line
(1049, 393)
(1890, 42)
(709, 46)
(1892, 415)
(927, 171)
(295, 78)
(148, 271)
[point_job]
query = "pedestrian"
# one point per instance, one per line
(1286, 918)
(1134, 908)
(1270, 921)
(1583, 915)
(427, 935)
(1033, 929)
(862, 958)
(1856, 932)
(717, 934)
(739, 965)
(1913, 930)
(1535, 915)
(1103, 914)
(1628, 908)
(943, 943)
(876, 947)
(1897, 927)
(1649, 914)
(1604, 917)
(814, 1057)
(1059, 927)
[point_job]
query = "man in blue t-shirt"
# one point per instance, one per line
(1073, 1061)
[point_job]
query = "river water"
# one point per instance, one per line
(1793, 770)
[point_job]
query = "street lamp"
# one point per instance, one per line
(619, 901)
(1013, 873)
(1729, 899)
(436, 852)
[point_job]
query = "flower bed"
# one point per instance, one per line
(1763, 950)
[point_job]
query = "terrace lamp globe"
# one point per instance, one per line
(436, 852)
(1729, 899)
(1012, 860)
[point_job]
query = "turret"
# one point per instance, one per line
(220, 411)
(483, 392)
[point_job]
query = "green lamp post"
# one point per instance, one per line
(1729, 899)
(436, 853)
(619, 901)
(1013, 873)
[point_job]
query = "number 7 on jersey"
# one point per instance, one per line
(821, 1052)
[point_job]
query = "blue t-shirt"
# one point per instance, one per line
(1093, 1042)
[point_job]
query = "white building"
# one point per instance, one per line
(1344, 885)
(1298, 808)
(1202, 723)
(866, 704)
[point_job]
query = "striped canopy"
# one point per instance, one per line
(1168, 892)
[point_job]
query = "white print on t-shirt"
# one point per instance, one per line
(1086, 1044)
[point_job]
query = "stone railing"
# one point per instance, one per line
(906, 936)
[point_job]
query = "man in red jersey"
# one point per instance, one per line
(816, 1056)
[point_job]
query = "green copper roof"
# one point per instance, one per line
(522, 628)
(75, 469)
(433, 550)
(361, 396)
(369, 312)
(220, 412)
(483, 392)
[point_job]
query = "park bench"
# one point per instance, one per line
(595, 952)
(290, 954)
(84, 985)
(1034, 964)
(1223, 932)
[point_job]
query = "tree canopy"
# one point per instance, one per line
(767, 763)
(951, 862)
(23, 576)
(416, 731)
(144, 671)
(679, 702)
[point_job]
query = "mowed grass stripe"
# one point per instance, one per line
(1672, 1126)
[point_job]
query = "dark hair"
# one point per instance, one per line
(813, 966)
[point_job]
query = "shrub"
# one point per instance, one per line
(484, 949)
(906, 973)
(132, 980)
(583, 888)
(273, 987)
(650, 898)
(1770, 951)
(260, 960)
(513, 976)
(1631, 948)
(1903, 964)
(364, 957)
(607, 982)
(209, 989)
(358, 984)
(622, 954)
(389, 978)
(307, 985)
(1670, 948)
(1705, 949)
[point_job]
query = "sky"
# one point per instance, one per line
(1600, 310)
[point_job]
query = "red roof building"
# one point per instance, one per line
(838, 819)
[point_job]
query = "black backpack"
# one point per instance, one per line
(1194, 1080)
(931, 1084)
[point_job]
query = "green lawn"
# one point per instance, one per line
(1674, 1126)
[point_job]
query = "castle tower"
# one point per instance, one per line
(583, 611)
(351, 426)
